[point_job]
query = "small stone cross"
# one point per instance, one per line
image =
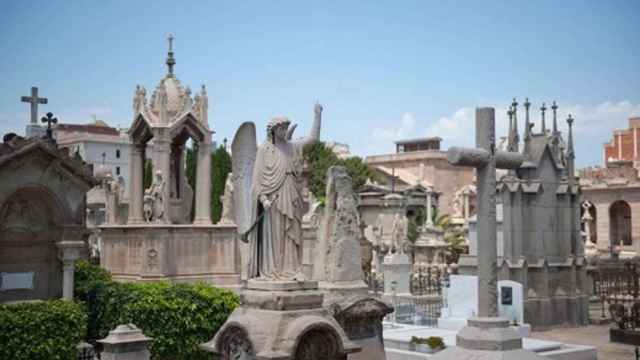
(49, 119)
(485, 158)
(34, 100)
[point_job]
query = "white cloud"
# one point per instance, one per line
(593, 126)
(407, 128)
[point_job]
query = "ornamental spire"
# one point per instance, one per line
(514, 133)
(527, 126)
(544, 125)
(170, 60)
(570, 153)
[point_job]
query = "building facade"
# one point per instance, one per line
(100, 145)
(421, 162)
(625, 144)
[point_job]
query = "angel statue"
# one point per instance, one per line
(268, 196)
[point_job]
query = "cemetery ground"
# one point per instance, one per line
(592, 335)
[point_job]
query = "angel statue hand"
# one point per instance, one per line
(266, 203)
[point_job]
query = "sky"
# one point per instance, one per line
(384, 71)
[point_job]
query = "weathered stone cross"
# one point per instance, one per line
(34, 100)
(485, 158)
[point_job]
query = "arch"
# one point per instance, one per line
(234, 343)
(319, 342)
(620, 223)
(140, 131)
(188, 126)
(31, 223)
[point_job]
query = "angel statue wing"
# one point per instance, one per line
(244, 149)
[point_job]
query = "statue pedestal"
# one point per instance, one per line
(281, 320)
(430, 247)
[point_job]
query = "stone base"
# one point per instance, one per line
(281, 320)
(487, 338)
(458, 353)
(179, 253)
(343, 293)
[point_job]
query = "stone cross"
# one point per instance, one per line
(485, 158)
(49, 119)
(34, 100)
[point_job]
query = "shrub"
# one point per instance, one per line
(41, 330)
(178, 317)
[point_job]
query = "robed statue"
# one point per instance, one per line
(268, 196)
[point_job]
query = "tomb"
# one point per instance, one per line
(42, 222)
(162, 237)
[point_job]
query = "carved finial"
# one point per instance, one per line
(554, 107)
(170, 60)
(544, 126)
(204, 89)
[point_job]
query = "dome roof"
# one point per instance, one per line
(176, 94)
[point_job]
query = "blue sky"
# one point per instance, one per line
(382, 70)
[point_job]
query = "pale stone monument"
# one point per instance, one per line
(162, 237)
(281, 316)
(339, 270)
(486, 335)
(429, 247)
(338, 267)
(42, 218)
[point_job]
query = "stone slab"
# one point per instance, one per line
(281, 300)
(281, 285)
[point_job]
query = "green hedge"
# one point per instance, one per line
(41, 330)
(178, 317)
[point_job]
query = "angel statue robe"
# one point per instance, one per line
(276, 245)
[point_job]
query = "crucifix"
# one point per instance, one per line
(485, 158)
(34, 100)
(49, 119)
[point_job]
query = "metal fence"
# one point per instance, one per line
(423, 306)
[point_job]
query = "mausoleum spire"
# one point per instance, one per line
(544, 126)
(556, 135)
(514, 131)
(570, 153)
(170, 60)
(527, 127)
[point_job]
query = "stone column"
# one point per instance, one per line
(429, 209)
(203, 185)
(69, 253)
(126, 342)
(136, 171)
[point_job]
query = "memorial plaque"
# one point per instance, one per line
(507, 295)
(16, 281)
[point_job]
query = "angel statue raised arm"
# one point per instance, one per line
(268, 196)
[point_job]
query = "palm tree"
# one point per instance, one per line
(454, 236)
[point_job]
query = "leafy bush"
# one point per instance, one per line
(178, 317)
(41, 330)
(434, 342)
(320, 158)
